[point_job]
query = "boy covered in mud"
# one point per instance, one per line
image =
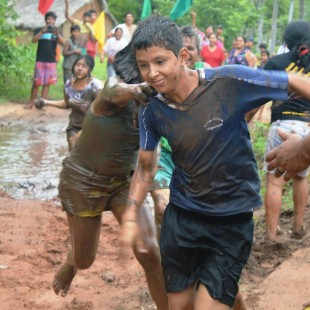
(207, 230)
(95, 178)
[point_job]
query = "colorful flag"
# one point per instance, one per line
(180, 8)
(99, 31)
(147, 9)
(44, 6)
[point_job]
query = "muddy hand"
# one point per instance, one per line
(143, 93)
(287, 158)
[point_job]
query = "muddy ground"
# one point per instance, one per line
(34, 239)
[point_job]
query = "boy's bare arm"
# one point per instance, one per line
(140, 185)
(67, 15)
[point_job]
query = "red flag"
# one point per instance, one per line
(44, 6)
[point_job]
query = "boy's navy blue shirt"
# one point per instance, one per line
(215, 169)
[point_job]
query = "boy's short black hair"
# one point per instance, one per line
(190, 32)
(126, 67)
(262, 45)
(87, 13)
(50, 14)
(75, 27)
(157, 31)
(92, 11)
(118, 28)
(265, 52)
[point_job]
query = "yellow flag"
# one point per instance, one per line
(99, 31)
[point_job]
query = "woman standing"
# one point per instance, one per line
(212, 54)
(79, 93)
(241, 55)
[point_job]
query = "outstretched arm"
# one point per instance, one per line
(115, 95)
(67, 15)
(291, 157)
(140, 185)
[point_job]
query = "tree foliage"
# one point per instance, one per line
(14, 59)
(237, 17)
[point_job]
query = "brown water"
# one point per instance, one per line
(31, 159)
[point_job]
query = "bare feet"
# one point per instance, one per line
(63, 279)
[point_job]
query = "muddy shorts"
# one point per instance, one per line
(72, 131)
(87, 194)
(198, 249)
(45, 73)
(287, 126)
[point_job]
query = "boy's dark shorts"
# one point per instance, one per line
(196, 248)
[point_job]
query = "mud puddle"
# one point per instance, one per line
(31, 158)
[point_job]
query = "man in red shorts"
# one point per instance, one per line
(45, 73)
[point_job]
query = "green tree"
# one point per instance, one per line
(14, 59)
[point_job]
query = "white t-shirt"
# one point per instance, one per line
(112, 46)
(127, 33)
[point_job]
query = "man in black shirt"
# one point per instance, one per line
(45, 67)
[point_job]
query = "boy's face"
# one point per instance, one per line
(191, 45)
(75, 34)
(118, 34)
(160, 68)
(50, 21)
(264, 57)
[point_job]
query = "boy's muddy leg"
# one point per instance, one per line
(84, 233)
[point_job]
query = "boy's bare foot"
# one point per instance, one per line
(63, 279)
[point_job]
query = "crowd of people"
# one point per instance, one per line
(205, 187)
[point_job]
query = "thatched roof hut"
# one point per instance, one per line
(30, 18)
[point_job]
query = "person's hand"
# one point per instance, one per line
(130, 235)
(78, 51)
(101, 58)
(143, 92)
(194, 14)
(288, 158)
(44, 29)
(39, 103)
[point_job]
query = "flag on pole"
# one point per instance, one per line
(99, 31)
(44, 6)
(147, 9)
(180, 8)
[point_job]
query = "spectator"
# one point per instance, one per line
(71, 51)
(241, 55)
(291, 115)
(45, 66)
(212, 54)
(219, 35)
(79, 93)
(128, 27)
(87, 32)
(111, 47)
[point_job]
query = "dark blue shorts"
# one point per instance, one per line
(196, 248)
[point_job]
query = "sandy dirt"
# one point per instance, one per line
(34, 241)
